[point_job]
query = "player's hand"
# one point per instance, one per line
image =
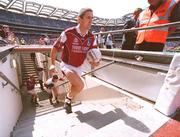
(94, 64)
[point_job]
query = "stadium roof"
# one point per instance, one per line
(33, 8)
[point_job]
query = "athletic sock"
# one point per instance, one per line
(68, 99)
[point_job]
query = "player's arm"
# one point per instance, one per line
(57, 47)
(53, 55)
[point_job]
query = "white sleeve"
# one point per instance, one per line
(49, 81)
(63, 37)
(95, 41)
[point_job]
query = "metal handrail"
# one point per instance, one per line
(37, 48)
(138, 52)
(4, 52)
(142, 28)
(3, 76)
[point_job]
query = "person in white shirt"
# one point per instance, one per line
(109, 41)
(50, 84)
(101, 38)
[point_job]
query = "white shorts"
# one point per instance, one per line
(32, 91)
(69, 68)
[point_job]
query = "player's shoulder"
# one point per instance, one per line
(69, 29)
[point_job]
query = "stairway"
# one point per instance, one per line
(32, 118)
(89, 118)
(103, 112)
(28, 67)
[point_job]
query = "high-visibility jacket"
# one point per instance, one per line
(160, 16)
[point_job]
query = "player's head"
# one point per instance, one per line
(55, 78)
(85, 18)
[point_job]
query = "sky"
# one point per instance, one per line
(101, 8)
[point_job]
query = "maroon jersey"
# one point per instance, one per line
(75, 47)
(30, 84)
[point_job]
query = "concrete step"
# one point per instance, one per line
(30, 72)
(26, 77)
(36, 120)
(54, 123)
(40, 113)
(104, 112)
(27, 58)
(62, 124)
(30, 65)
(43, 112)
(29, 68)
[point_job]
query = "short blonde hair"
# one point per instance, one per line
(83, 11)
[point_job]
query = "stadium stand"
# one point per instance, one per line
(29, 21)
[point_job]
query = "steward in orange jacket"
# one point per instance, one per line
(159, 12)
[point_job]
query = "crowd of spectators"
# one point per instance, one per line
(7, 36)
(104, 40)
